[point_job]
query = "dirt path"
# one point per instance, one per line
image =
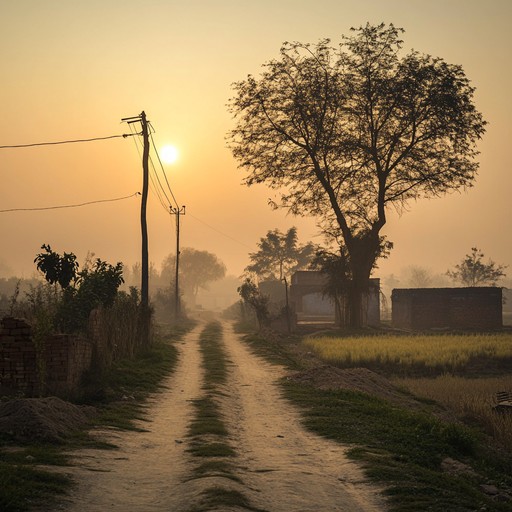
(146, 474)
(283, 467)
(289, 468)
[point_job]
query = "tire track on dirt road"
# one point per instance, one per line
(285, 467)
(147, 472)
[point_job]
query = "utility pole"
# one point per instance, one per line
(144, 286)
(177, 211)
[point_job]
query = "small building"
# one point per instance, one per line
(477, 308)
(310, 305)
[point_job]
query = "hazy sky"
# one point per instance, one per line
(73, 69)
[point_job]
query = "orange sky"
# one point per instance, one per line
(73, 69)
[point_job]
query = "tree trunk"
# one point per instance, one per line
(363, 252)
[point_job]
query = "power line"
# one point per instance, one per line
(159, 182)
(69, 205)
(220, 232)
(124, 135)
(163, 170)
(153, 185)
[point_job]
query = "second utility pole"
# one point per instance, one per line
(177, 211)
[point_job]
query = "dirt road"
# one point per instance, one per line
(283, 467)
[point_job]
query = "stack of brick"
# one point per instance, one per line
(18, 365)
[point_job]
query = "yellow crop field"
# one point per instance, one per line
(446, 351)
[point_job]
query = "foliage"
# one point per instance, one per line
(56, 268)
(252, 296)
(82, 291)
(472, 271)
(279, 255)
(419, 277)
(196, 270)
(345, 133)
(95, 287)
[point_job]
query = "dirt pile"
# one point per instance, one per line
(46, 419)
(354, 379)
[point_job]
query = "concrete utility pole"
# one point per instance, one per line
(144, 285)
(177, 211)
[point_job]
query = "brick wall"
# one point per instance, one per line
(477, 308)
(64, 359)
(18, 366)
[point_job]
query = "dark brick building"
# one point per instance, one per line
(478, 308)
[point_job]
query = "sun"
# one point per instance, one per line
(169, 154)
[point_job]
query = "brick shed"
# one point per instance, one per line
(477, 308)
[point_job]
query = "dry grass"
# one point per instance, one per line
(434, 351)
(471, 399)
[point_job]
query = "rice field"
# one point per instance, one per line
(449, 352)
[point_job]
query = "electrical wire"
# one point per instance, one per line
(220, 232)
(162, 167)
(159, 182)
(69, 205)
(152, 183)
(124, 135)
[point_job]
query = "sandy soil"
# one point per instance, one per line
(283, 467)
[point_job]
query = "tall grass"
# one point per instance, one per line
(449, 352)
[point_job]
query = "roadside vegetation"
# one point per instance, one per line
(424, 460)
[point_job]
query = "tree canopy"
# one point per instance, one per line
(343, 133)
(279, 255)
(473, 271)
(198, 269)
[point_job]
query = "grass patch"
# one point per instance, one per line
(216, 467)
(120, 393)
(278, 350)
(207, 429)
(23, 486)
(207, 420)
(215, 363)
(211, 449)
(217, 498)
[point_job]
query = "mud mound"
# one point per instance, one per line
(354, 379)
(45, 419)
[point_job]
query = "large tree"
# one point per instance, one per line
(279, 255)
(346, 132)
